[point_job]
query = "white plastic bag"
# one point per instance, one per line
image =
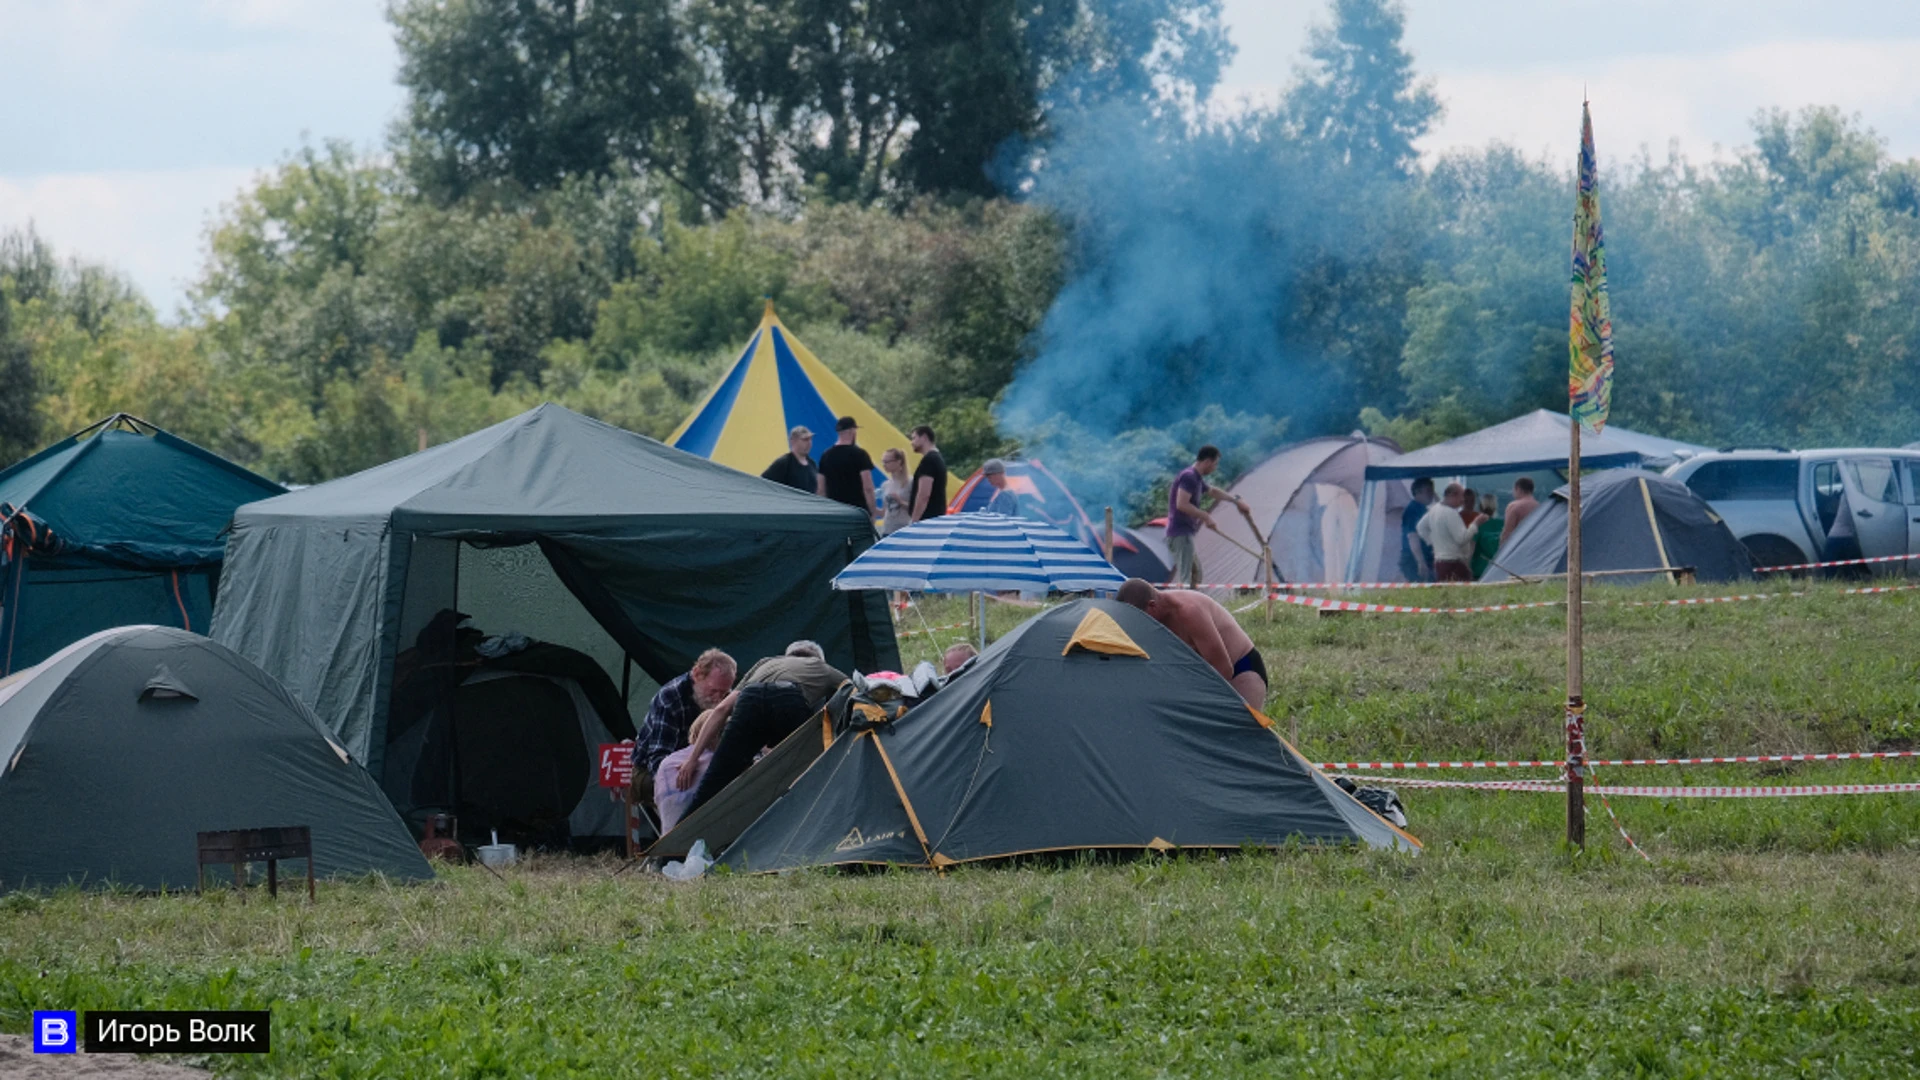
(695, 865)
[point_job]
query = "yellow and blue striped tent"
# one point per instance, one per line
(777, 384)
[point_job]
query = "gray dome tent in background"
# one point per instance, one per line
(119, 749)
(1306, 498)
(1629, 520)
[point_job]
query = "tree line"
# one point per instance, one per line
(1013, 222)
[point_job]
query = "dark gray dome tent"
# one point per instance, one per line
(1629, 520)
(576, 533)
(1090, 727)
(118, 750)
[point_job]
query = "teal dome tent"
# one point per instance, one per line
(118, 523)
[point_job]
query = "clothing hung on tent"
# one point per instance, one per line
(120, 523)
(124, 746)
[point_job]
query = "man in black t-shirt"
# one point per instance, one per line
(846, 472)
(795, 467)
(929, 477)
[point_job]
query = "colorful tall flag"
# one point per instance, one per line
(1590, 335)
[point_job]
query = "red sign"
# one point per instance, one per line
(616, 765)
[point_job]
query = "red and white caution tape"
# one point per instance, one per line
(1555, 787)
(1745, 759)
(1835, 562)
(1622, 829)
(1325, 604)
(1369, 586)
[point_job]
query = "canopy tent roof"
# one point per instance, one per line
(669, 553)
(776, 385)
(1656, 452)
(128, 494)
(1089, 727)
(1537, 440)
(125, 744)
(1629, 520)
(551, 468)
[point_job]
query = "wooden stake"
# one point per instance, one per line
(1576, 715)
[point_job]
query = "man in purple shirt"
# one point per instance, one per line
(1184, 516)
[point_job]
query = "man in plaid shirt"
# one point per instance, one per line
(678, 704)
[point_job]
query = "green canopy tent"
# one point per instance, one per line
(1089, 727)
(661, 553)
(119, 523)
(118, 750)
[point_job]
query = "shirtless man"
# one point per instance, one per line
(1211, 631)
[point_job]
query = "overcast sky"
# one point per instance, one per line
(128, 122)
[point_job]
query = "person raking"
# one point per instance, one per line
(1210, 630)
(1185, 517)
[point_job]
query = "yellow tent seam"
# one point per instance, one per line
(912, 818)
(1659, 542)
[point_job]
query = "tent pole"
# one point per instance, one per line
(980, 617)
(1266, 575)
(452, 685)
(1576, 703)
(1108, 550)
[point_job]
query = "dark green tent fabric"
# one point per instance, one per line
(1629, 520)
(1084, 751)
(669, 552)
(118, 750)
(137, 518)
(725, 816)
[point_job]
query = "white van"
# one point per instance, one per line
(1784, 504)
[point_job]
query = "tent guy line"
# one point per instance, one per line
(1749, 759)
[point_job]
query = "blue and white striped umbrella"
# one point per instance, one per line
(981, 553)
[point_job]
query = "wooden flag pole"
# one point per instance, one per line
(1576, 704)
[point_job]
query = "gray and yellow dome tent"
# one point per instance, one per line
(1629, 520)
(656, 554)
(1090, 727)
(119, 749)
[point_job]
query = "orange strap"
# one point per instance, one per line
(186, 622)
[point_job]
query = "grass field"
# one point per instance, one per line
(1766, 938)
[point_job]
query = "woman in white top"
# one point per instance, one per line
(896, 495)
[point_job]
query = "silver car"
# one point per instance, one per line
(1786, 505)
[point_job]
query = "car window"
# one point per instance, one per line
(1768, 478)
(1874, 478)
(1913, 482)
(1826, 492)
